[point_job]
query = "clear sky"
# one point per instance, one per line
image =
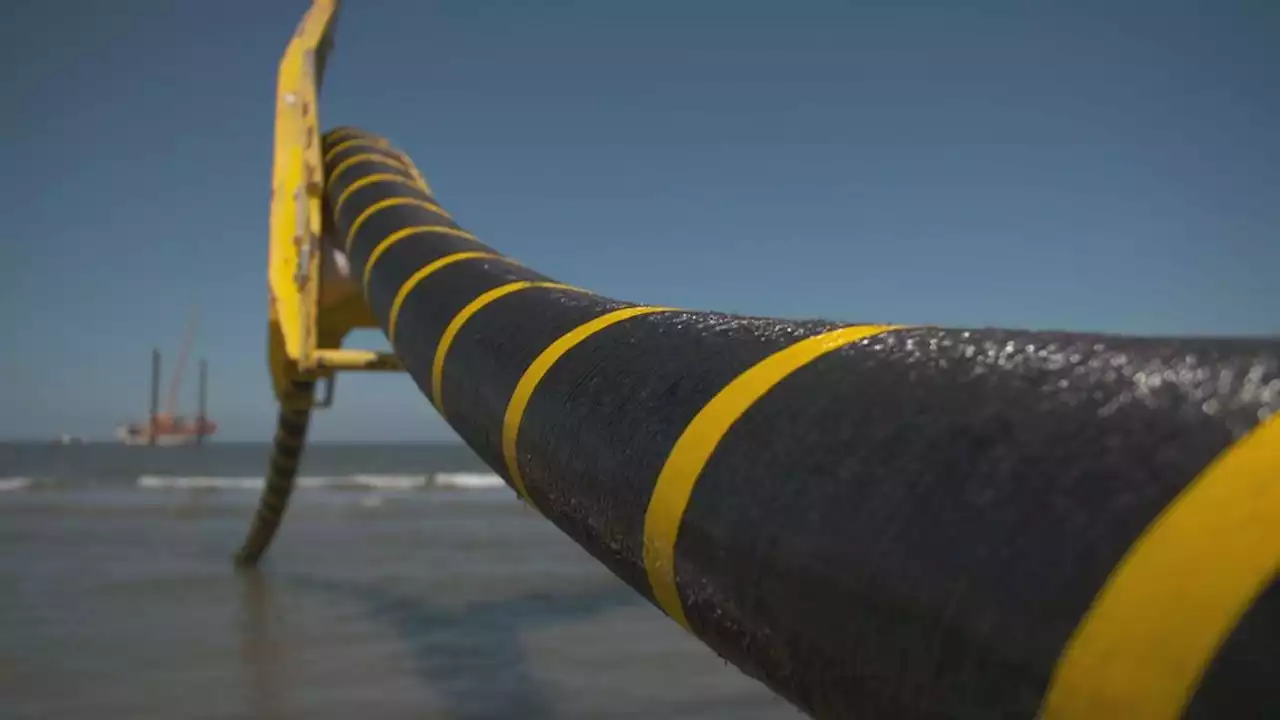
(1110, 166)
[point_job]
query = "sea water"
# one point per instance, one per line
(406, 582)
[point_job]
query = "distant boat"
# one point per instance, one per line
(167, 428)
(65, 439)
(170, 431)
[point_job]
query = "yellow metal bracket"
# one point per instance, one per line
(314, 305)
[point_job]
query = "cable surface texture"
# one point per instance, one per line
(875, 520)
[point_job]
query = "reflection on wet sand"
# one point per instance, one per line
(260, 654)
(457, 652)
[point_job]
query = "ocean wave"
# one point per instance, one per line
(387, 482)
(14, 483)
(167, 482)
(450, 480)
(468, 480)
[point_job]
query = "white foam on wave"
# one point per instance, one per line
(318, 482)
(468, 480)
(452, 480)
(391, 482)
(169, 482)
(14, 483)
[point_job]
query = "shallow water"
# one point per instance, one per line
(392, 591)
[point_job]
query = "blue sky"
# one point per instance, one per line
(1080, 165)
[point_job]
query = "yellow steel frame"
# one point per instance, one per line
(310, 311)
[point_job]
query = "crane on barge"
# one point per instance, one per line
(168, 428)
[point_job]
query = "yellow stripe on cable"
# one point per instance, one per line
(368, 180)
(1170, 604)
(381, 158)
(413, 170)
(367, 142)
(422, 274)
(693, 449)
(538, 369)
(450, 332)
(345, 131)
(395, 237)
(383, 205)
